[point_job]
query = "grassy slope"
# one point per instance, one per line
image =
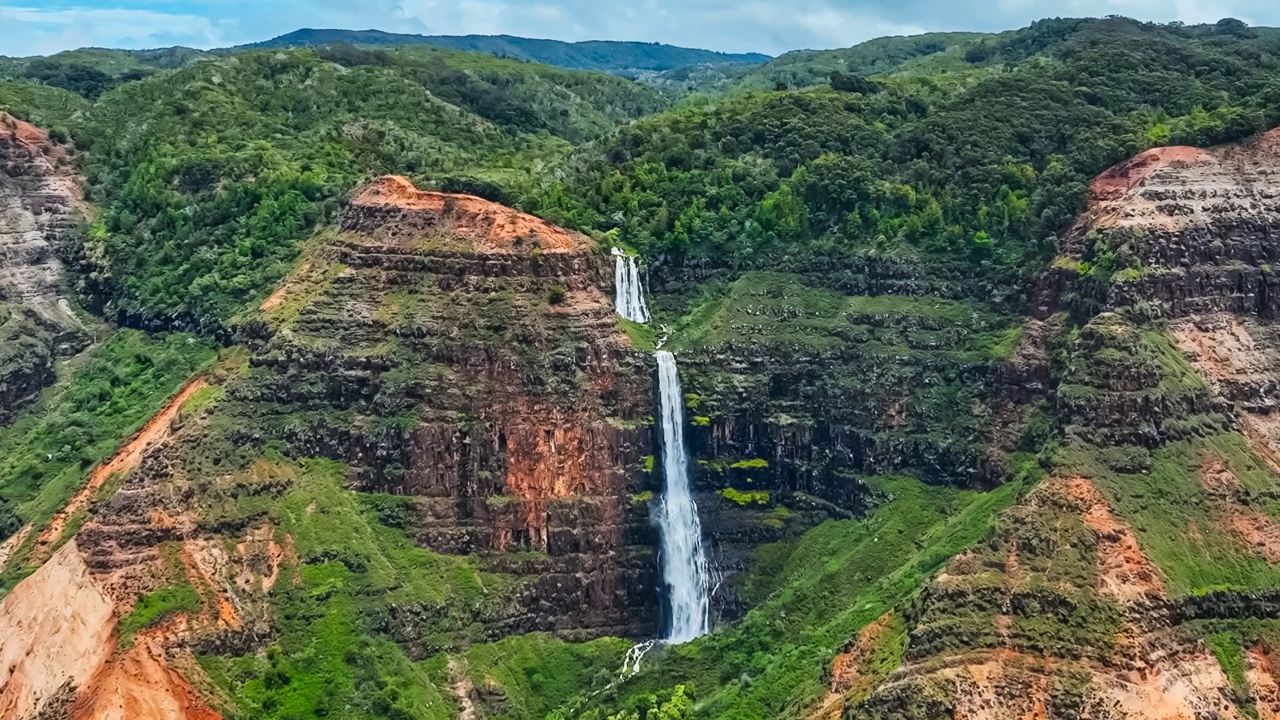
(818, 592)
(328, 657)
(900, 372)
(1177, 522)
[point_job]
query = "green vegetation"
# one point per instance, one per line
(99, 400)
(883, 56)
(841, 247)
(601, 55)
(1226, 648)
(536, 674)
(914, 188)
(745, 498)
(1229, 640)
(885, 369)
(243, 156)
(45, 106)
(810, 596)
(783, 309)
(362, 595)
(156, 607)
(643, 336)
(1177, 523)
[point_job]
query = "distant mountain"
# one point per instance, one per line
(600, 55)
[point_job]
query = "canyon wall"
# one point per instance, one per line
(1108, 591)
(467, 356)
(40, 200)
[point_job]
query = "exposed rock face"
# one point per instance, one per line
(1194, 231)
(486, 376)
(140, 685)
(1071, 608)
(1195, 235)
(59, 628)
(56, 631)
(39, 199)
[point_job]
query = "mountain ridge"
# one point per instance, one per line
(600, 55)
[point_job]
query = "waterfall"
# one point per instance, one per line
(628, 292)
(684, 563)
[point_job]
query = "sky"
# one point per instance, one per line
(42, 27)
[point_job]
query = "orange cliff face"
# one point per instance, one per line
(1169, 190)
(1175, 250)
(521, 408)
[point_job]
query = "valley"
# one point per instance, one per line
(930, 378)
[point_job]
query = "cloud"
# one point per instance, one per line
(772, 26)
(42, 31)
(731, 25)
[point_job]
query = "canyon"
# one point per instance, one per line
(1165, 389)
(435, 436)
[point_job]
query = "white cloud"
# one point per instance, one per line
(729, 25)
(42, 31)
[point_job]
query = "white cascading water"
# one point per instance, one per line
(684, 563)
(628, 295)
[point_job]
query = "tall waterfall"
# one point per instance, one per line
(684, 563)
(628, 293)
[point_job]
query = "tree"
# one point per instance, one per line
(853, 83)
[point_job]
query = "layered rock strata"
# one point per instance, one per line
(40, 199)
(1098, 594)
(481, 367)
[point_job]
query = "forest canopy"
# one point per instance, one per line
(957, 158)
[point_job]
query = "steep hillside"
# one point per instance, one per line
(210, 177)
(457, 364)
(601, 55)
(1153, 593)
(40, 203)
(1137, 579)
(883, 56)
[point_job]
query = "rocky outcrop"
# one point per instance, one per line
(460, 353)
(56, 631)
(1188, 231)
(1080, 603)
(61, 628)
(40, 198)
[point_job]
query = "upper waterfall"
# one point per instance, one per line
(628, 292)
(684, 563)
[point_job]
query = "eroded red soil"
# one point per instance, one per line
(491, 226)
(126, 459)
